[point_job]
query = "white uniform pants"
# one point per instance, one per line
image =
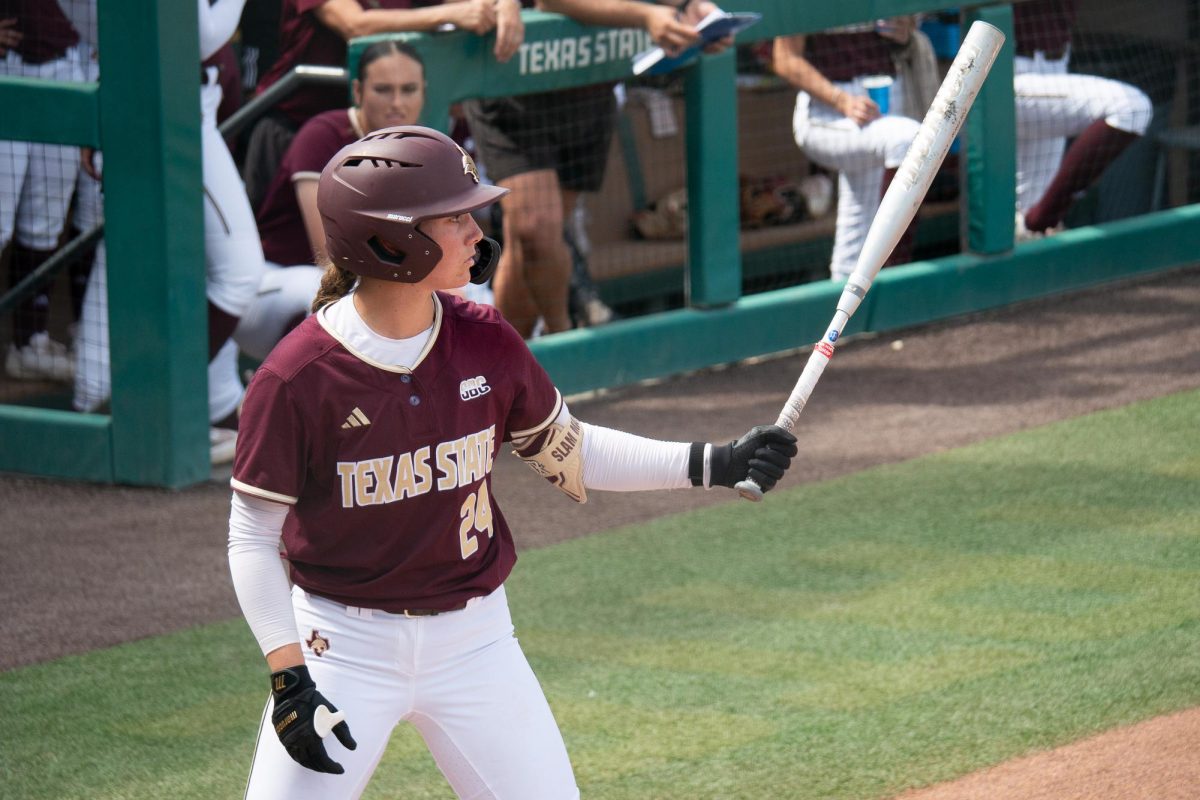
(460, 679)
(1054, 105)
(93, 373)
(235, 266)
(860, 156)
(284, 294)
(232, 248)
(37, 179)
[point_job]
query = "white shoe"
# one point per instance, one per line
(818, 194)
(222, 444)
(41, 359)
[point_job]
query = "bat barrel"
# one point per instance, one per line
(899, 205)
(928, 150)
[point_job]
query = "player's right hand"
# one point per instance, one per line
(858, 108)
(302, 718)
(476, 16)
(763, 454)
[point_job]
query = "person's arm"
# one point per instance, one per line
(789, 63)
(576, 456)
(301, 715)
(510, 29)
(306, 198)
(350, 20)
(669, 29)
(259, 578)
(10, 35)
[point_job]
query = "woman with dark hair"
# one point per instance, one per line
(388, 90)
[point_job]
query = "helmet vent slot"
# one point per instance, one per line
(376, 162)
(386, 254)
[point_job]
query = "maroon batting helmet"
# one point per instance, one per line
(375, 192)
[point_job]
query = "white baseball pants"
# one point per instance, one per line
(37, 179)
(460, 678)
(860, 156)
(232, 248)
(1054, 105)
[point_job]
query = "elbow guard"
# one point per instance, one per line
(557, 455)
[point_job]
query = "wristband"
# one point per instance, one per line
(696, 464)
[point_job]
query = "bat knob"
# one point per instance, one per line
(325, 720)
(749, 490)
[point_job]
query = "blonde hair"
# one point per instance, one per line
(336, 283)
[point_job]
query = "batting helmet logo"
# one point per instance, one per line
(469, 167)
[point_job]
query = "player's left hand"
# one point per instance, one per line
(696, 11)
(303, 717)
(763, 454)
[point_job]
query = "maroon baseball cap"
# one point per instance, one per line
(375, 192)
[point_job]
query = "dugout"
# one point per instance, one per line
(144, 115)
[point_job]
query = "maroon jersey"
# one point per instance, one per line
(843, 56)
(46, 31)
(389, 470)
(304, 40)
(284, 238)
(1044, 25)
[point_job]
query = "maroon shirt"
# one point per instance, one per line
(304, 40)
(47, 33)
(280, 224)
(389, 471)
(845, 56)
(1044, 25)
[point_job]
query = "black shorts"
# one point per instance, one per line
(568, 131)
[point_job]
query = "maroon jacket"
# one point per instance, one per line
(47, 33)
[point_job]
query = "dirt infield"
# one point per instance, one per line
(1155, 760)
(88, 566)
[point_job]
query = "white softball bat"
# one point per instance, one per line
(899, 205)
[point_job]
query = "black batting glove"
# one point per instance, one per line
(763, 455)
(303, 717)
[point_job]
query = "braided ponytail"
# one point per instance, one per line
(336, 283)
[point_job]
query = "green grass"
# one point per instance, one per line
(849, 639)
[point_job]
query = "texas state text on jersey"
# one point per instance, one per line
(444, 467)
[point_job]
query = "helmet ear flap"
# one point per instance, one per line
(488, 251)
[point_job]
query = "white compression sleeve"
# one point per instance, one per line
(616, 461)
(259, 578)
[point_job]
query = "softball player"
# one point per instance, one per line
(367, 442)
(36, 181)
(1104, 116)
(233, 254)
(840, 128)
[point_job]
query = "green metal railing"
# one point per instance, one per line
(145, 115)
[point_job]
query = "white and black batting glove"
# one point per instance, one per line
(303, 717)
(763, 454)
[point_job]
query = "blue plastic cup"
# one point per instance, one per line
(879, 89)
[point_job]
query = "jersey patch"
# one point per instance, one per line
(473, 387)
